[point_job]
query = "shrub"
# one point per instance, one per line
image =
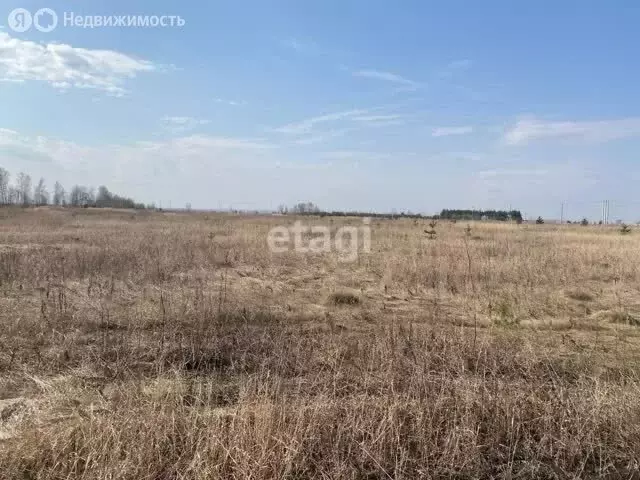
(345, 298)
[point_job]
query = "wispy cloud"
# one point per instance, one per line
(193, 166)
(322, 128)
(448, 131)
(510, 173)
(307, 125)
(64, 66)
(205, 142)
(393, 78)
(233, 103)
(182, 124)
(321, 137)
(7, 134)
(355, 155)
(531, 129)
(190, 150)
(377, 118)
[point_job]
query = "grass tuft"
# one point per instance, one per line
(344, 298)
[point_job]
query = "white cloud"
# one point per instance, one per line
(7, 135)
(182, 124)
(321, 137)
(72, 155)
(447, 131)
(233, 103)
(337, 124)
(510, 173)
(218, 172)
(376, 119)
(531, 129)
(202, 142)
(355, 155)
(388, 77)
(307, 125)
(353, 119)
(63, 66)
(205, 170)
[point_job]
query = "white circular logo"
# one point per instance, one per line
(20, 20)
(45, 20)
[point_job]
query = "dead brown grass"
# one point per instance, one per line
(176, 346)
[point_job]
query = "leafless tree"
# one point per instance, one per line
(58, 194)
(40, 194)
(305, 208)
(4, 186)
(24, 189)
(81, 196)
(77, 195)
(13, 196)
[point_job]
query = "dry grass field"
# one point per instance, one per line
(177, 346)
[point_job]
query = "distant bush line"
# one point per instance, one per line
(494, 215)
(498, 215)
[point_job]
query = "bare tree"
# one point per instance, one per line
(91, 196)
(77, 195)
(4, 186)
(305, 208)
(81, 196)
(59, 194)
(104, 197)
(24, 188)
(13, 196)
(40, 194)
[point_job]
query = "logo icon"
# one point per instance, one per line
(20, 20)
(45, 20)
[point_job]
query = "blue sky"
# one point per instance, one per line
(369, 105)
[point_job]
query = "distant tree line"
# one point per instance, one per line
(378, 215)
(309, 208)
(22, 192)
(302, 208)
(496, 215)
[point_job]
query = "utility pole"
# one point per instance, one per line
(562, 213)
(605, 212)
